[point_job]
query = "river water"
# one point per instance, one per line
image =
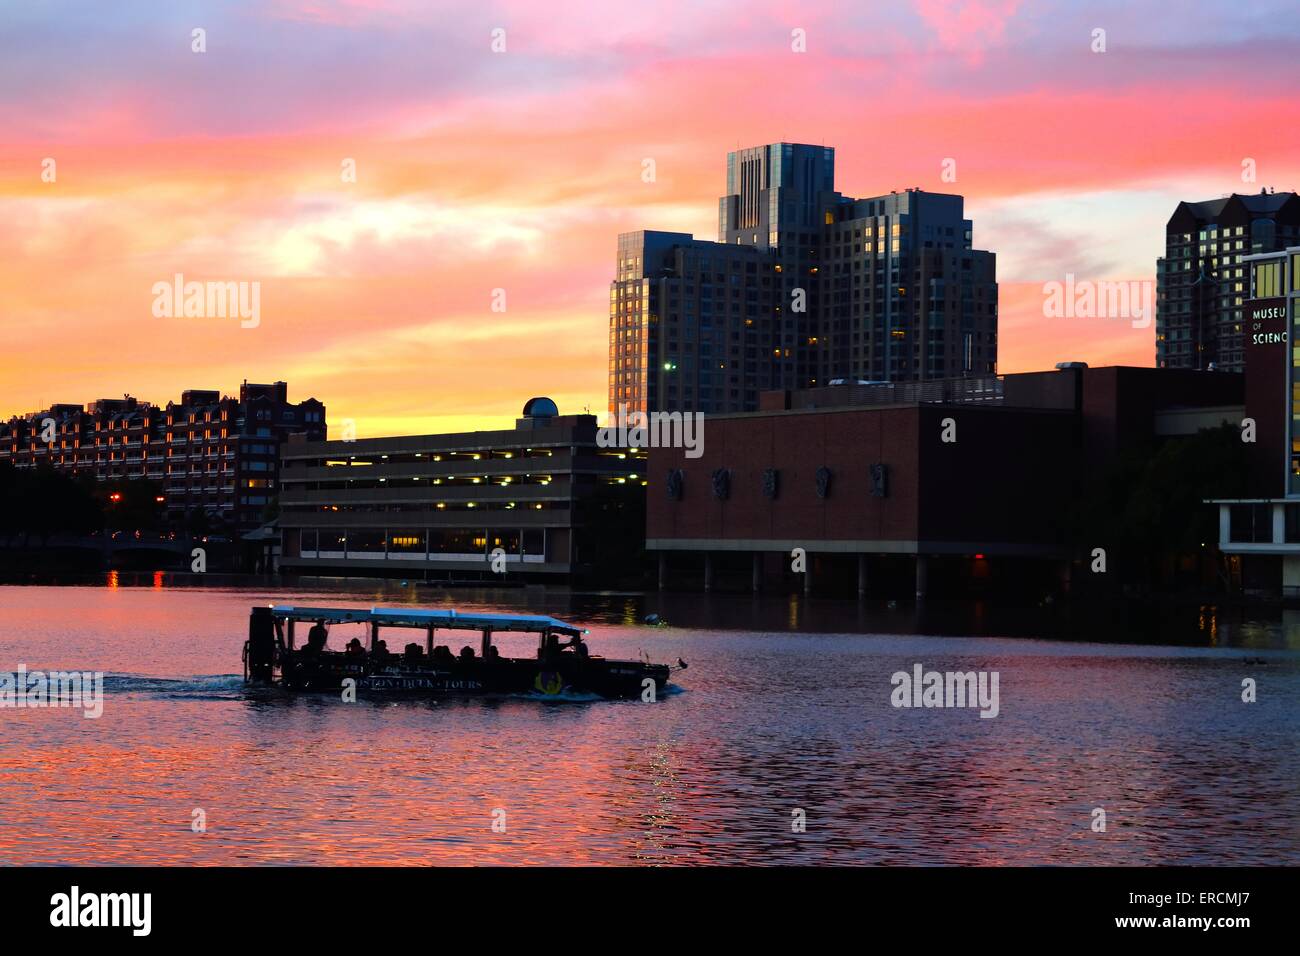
(780, 747)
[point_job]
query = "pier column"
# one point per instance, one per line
(862, 575)
(663, 570)
(708, 571)
(922, 576)
(807, 575)
(756, 576)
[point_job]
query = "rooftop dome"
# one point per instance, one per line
(540, 408)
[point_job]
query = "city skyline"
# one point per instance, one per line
(580, 437)
(517, 170)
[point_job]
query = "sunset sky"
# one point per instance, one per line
(479, 170)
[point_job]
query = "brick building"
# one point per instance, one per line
(215, 456)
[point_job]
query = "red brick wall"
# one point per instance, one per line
(847, 442)
(1006, 479)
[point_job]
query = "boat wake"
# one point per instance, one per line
(200, 687)
(671, 690)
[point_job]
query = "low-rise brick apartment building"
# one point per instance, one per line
(214, 455)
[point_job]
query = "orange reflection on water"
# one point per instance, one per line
(769, 723)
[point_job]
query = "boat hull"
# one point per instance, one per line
(399, 677)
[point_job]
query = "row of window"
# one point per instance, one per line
(422, 541)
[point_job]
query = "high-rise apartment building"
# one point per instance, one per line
(804, 287)
(1201, 283)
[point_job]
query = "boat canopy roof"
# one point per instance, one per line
(416, 617)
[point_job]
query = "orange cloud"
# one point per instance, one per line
(518, 172)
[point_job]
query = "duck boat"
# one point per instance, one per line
(562, 665)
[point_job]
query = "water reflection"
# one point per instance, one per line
(773, 719)
(1138, 621)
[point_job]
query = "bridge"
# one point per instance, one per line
(177, 548)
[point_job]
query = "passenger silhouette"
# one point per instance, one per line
(317, 636)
